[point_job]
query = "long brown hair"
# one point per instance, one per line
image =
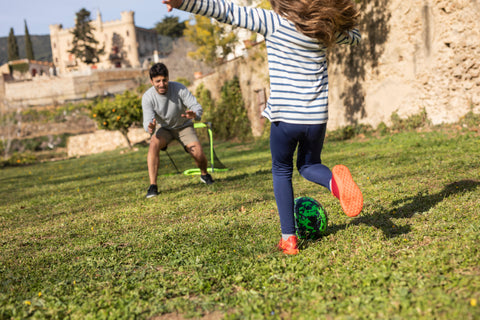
(319, 19)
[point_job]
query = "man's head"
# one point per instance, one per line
(159, 78)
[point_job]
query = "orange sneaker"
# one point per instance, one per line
(347, 191)
(288, 246)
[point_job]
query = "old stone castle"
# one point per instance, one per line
(128, 51)
(125, 45)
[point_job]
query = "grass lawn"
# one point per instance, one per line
(80, 241)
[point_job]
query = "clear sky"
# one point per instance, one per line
(39, 14)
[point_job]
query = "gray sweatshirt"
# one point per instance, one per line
(168, 108)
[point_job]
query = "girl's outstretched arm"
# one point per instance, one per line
(254, 19)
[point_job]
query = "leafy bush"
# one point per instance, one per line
(470, 120)
(349, 132)
(18, 159)
(119, 113)
(382, 129)
(227, 115)
(412, 122)
(230, 117)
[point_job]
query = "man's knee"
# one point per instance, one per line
(157, 144)
(195, 149)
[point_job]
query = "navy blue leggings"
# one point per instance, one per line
(284, 139)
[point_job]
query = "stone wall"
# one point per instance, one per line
(71, 87)
(102, 140)
(414, 55)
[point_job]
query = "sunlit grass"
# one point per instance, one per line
(79, 239)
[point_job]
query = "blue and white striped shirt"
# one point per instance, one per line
(297, 63)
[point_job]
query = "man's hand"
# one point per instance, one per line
(189, 114)
(152, 125)
(172, 4)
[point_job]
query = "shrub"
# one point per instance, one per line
(227, 115)
(412, 122)
(382, 129)
(230, 117)
(18, 159)
(204, 97)
(349, 132)
(119, 113)
(470, 120)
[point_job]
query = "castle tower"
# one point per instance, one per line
(131, 45)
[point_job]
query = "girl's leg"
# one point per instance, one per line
(283, 141)
(309, 161)
(339, 181)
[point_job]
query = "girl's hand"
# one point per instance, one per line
(172, 4)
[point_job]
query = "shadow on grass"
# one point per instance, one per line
(407, 208)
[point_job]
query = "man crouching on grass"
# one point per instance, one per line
(172, 106)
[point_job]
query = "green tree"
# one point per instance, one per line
(209, 37)
(12, 47)
(28, 44)
(84, 43)
(118, 113)
(170, 27)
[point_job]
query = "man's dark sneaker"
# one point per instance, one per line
(152, 191)
(207, 178)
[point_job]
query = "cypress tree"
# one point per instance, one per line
(12, 47)
(84, 43)
(28, 44)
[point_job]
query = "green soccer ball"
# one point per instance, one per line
(310, 218)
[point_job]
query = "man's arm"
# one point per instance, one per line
(194, 109)
(149, 122)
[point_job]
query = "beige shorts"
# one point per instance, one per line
(185, 135)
